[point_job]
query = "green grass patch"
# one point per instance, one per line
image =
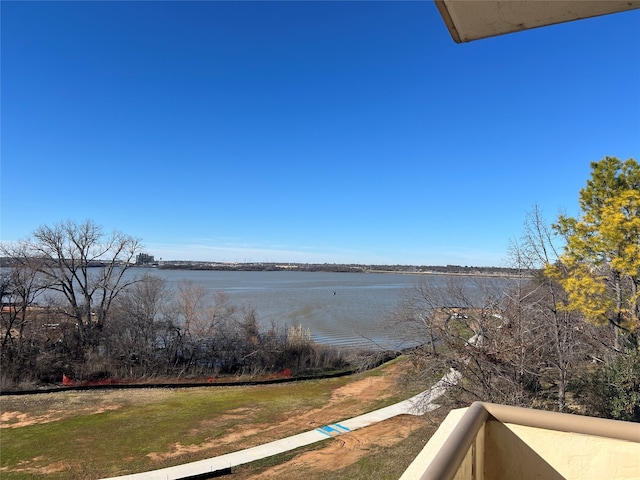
(135, 431)
(141, 423)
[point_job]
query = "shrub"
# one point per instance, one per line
(614, 388)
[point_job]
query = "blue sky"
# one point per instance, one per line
(305, 131)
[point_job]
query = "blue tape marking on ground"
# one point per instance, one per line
(346, 429)
(329, 430)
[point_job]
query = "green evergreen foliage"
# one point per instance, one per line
(615, 388)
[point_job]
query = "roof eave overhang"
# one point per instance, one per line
(469, 20)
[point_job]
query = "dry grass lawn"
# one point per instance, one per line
(89, 435)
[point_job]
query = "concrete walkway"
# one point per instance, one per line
(417, 405)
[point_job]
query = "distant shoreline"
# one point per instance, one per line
(6, 262)
(343, 268)
(528, 273)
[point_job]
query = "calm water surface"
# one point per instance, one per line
(349, 309)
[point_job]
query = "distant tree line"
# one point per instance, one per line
(334, 267)
(260, 266)
(69, 309)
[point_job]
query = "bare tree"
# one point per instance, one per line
(19, 289)
(457, 324)
(135, 330)
(83, 265)
(566, 339)
(203, 323)
(509, 341)
(506, 338)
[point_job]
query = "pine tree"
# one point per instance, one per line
(600, 265)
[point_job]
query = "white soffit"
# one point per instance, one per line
(473, 19)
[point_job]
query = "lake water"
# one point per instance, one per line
(346, 309)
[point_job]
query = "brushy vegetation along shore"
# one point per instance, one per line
(152, 332)
(101, 434)
(365, 361)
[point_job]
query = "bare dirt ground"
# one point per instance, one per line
(57, 406)
(340, 452)
(352, 399)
